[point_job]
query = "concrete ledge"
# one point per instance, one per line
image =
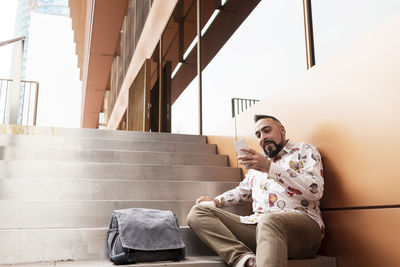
(74, 142)
(84, 214)
(40, 245)
(210, 261)
(119, 171)
(90, 189)
(54, 131)
(109, 156)
(193, 261)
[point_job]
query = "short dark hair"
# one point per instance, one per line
(258, 117)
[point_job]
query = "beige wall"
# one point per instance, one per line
(348, 108)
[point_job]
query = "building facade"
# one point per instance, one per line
(327, 69)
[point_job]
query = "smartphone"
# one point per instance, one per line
(238, 145)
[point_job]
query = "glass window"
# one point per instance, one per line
(185, 110)
(337, 22)
(266, 51)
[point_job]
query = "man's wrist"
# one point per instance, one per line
(265, 166)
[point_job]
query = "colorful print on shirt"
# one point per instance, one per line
(293, 183)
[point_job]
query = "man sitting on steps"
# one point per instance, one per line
(285, 185)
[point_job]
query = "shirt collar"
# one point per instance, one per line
(286, 149)
(289, 145)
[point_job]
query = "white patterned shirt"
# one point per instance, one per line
(294, 183)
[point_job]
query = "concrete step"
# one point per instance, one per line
(118, 171)
(35, 245)
(57, 194)
(96, 155)
(319, 261)
(63, 244)
(39, 245)
(192, 261)
(85, 214)
(204, 261)
(95, 133)
(79, 189)
(87, 239)
(104, 143)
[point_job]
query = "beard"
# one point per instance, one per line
(271, 152)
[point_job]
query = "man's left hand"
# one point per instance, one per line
(254, 160)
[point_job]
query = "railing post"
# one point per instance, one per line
(233, 107)
(12, 114)
(36, 102)
(5, 103)
(241, 104)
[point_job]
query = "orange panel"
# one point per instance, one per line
(363, 238)
(224, 139)
(78, 17)
(107, 22)
(99, 66)
(91, 120)
(94, 100)
(350, 112)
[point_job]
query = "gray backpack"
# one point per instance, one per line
(143, 235)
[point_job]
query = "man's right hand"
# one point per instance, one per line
(205, 198)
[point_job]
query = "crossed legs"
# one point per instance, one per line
(275, 238)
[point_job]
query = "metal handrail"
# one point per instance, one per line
(241, 104)
(13, 99)
(12, 41)
(26, 94)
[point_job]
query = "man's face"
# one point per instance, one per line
(271, 136)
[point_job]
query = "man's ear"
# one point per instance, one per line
(283, 130)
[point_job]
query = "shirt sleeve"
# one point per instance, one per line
(302, 176)
(237, 195)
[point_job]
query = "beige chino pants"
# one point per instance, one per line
(275, 238)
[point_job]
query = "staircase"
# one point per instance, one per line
(58, 188)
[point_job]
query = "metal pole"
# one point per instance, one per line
(36, 103)
(199, 53)
(29, 103)
(233, 107)
(160, 85)
(308, 33)
(23, 102)
(5, 104)
(14, 97)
